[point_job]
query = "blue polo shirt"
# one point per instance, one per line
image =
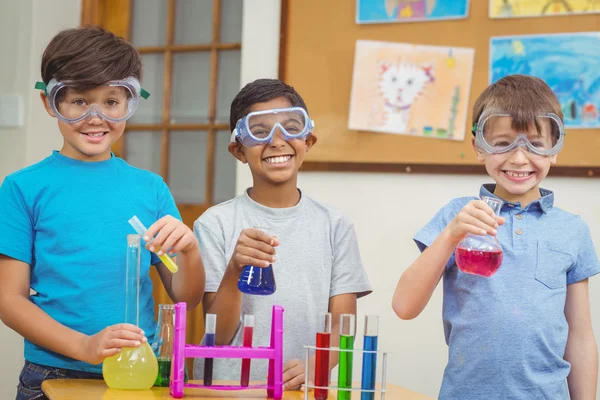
(67, 219)
(507, 333)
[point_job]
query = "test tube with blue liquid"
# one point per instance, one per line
(369, 364)
(209, 340)
(256, 280)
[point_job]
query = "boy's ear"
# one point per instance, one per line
(310, 141)
(480, 156)
(46, 103)
(553, 159)
(237, 151)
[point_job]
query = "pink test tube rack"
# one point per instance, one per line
(181, 351)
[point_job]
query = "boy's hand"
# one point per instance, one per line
(254, 247)
(477, 218)
(109, 341)
(293, 374)
(170, 234)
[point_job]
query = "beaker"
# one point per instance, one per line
(163, 343)
(480, 254)
(257, 280)
(131, 368)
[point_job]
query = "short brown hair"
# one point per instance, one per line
(521, 96)
(91, 56)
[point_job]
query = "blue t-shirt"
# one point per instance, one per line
(507, 333)
(68, 220)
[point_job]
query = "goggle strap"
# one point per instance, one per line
(41, 86)
(144, 94)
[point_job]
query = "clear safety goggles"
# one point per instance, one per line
(115, 101)
(494, 134)
(259, 127)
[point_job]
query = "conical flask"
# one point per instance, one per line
(163, 344)
(257, 280)
(480, 254)
(132, 368)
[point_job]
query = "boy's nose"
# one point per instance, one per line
(278, 138)
(519, 156)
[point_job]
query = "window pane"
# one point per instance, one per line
(193, 22)
(142, 149)
(191, 87)
(187, 166)
(229, 82)
(225, 165)
(231, 21)
(150, 109)
(149, 23)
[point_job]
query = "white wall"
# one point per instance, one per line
(26, 26)
(387, 210)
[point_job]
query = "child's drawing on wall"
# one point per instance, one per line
(381, 11)
(410, 90)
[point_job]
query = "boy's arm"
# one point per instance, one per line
(188, 283)
(417, 283)
(581, 351)
(27, 319)
(253, 247)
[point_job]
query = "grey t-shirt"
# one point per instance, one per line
(317, 258)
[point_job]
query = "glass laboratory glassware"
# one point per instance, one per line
(132, 368)
(480, 254)
(257, 280)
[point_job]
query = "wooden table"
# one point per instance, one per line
(79, 389)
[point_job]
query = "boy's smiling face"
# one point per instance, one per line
(517, 173)
(90, 139)
(277, 162)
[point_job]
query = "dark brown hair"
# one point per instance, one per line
(522, 97)
(91, 56)
(259, 91)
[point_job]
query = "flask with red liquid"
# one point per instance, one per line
(480, 254)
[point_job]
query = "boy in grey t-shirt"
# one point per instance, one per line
(313, 247)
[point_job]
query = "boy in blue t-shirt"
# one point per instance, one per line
(524, 332)
(64, 221)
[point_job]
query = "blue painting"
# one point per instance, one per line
(569, 63)
(382, 11)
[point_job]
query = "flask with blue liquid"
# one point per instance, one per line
(257, 280)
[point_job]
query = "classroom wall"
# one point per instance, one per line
(387, 210)
(25, 28)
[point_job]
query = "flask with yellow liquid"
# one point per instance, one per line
(132, 368)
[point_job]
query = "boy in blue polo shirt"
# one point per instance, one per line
(525, 332)
(64, 221)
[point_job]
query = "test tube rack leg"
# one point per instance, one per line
(181, 351)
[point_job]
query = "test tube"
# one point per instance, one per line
(347, 322)
(322, 356)
(141, 230)
(247, 342)
(209, 336)
(369, 364)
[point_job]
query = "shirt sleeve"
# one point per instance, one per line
(166, 206)
(425, 237)
(586, 264)
(348, 274)
(16, 223)
(212, 251)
